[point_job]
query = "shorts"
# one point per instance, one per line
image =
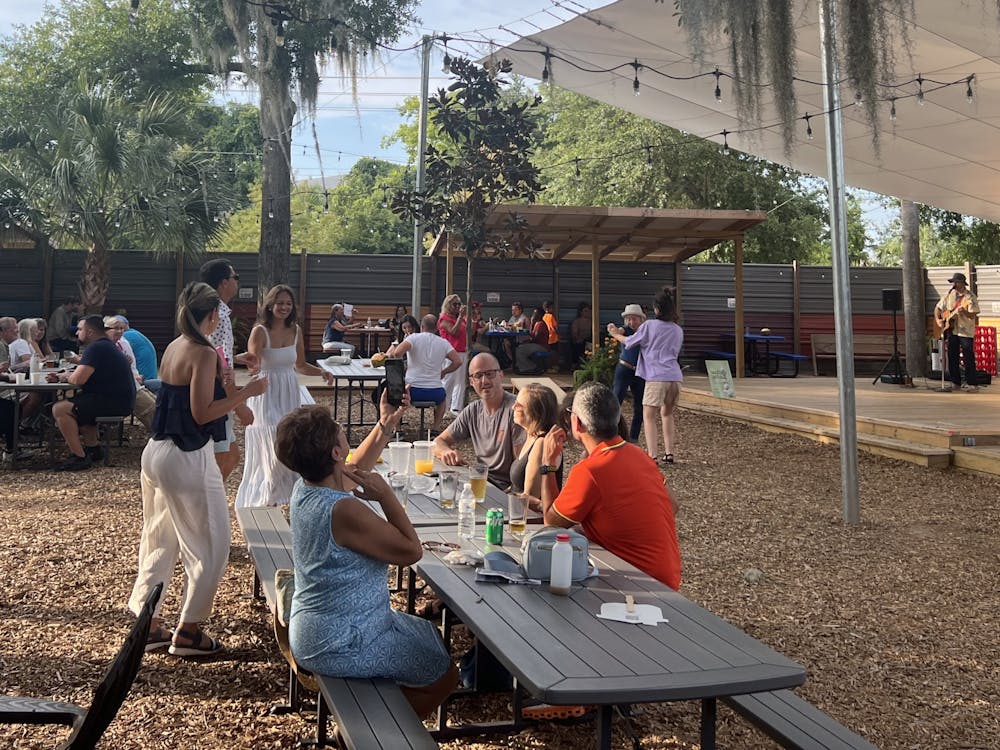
(434, 395)
(659, 393)
(222, 446)
(87, 407)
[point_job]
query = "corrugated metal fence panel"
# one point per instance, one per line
(22, 283)
(988, 289)
(816, 288)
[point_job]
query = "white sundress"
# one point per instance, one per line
(266, 481)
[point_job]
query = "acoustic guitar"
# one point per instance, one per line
(950, 315)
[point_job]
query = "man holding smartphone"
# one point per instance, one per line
(429, 358)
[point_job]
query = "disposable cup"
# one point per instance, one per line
(399, 457)
(423, 456)
(19, 378)
(37, 378)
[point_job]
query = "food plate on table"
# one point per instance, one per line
(422, 484)
(338, 359)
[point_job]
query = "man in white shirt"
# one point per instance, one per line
(426, 354)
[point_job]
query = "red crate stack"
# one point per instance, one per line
(985, 345)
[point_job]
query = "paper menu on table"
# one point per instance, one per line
(348, 310)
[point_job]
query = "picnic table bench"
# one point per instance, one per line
(369, 713)
(794, 722)
(867, 346)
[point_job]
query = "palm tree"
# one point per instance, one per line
(99, 172)
(283, 47)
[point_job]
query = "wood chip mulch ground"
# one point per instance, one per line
(895, 619)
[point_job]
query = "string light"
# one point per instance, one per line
(279, 32)
(968, 89)
(809, 130)
(133, 10)
(326, 201)
(892, 109)
(649, 157)
(725, 142)
(270, 208)
(718, 89)
(635, 81)
(920, 90)
(577, 173)
(446, 63)
(547, 66)
(858, 99)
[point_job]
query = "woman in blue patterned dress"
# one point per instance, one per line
(342, 623)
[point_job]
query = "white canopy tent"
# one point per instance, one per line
(944, 153)
(939, 142)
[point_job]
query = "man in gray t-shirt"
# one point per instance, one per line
(488, 422)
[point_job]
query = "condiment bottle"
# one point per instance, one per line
(561, 574)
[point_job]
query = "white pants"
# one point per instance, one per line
(184, 515)
(454, 384)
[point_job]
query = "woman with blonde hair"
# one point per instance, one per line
(184, 510)
(277, 343)
(451, 326)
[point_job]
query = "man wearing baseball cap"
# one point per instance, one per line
(956, 314)
(625, 378)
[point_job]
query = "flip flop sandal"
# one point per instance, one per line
(548, 712)
(668, 458)
(201, 645)
(162, 638)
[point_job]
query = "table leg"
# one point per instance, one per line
(708, 724)
(604, 727)
(15, 431)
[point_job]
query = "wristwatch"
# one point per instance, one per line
(549, 469)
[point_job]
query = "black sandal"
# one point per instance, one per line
(159, 638)
(668, 458)
(200, 645)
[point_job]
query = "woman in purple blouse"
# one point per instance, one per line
(659, 340)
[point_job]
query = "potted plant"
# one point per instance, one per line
(599, 364)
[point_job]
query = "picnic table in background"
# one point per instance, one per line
(360, 373)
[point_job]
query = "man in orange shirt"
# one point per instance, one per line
(616, 493)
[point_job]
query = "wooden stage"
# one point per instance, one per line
(916, 424)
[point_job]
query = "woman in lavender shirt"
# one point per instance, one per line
(659, 340)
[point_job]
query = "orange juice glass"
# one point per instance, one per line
(423, 457)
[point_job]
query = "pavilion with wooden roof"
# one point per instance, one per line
(603, 234)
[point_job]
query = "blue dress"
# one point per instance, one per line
(342, 623)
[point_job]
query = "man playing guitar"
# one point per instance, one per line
(956, 315)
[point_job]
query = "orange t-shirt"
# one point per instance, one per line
(618, 496)
(553, 324)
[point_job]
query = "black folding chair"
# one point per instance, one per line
(88, 725)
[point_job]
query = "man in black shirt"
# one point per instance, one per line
(107, 390)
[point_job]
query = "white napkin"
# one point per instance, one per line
(629, 611)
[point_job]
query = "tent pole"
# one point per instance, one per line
(841, 264)
(595, 297)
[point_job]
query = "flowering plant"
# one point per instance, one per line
(599, 364)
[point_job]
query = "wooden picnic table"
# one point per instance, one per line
(361, 373)
(58, 389)
(561, 653)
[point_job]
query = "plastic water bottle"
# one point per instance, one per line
(35, 366)
(467, 512)
(561, 574)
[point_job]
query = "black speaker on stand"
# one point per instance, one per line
(892, 300)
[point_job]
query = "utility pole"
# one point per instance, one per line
(418, 226)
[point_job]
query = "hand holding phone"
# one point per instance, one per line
(395, 380)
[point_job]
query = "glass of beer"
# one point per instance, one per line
(517, 512)
(448, 488)
(423, 457)
(477, 478)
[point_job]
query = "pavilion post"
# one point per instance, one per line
(841, 263)
(449, 268)
(595, 296)
(740, 345)
(796, 308)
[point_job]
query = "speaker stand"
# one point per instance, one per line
(898, 376)
(942, 388)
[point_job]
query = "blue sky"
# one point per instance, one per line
(347, 128)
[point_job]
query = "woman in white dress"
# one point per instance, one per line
(277, 343)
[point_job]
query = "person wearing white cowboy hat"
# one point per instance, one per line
(955, 314)
(625, 378)
(659, 342)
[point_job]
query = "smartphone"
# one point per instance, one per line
(395, 380)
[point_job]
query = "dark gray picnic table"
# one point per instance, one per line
(562, 654)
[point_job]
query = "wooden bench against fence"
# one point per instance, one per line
(369, 714)
(867, 346)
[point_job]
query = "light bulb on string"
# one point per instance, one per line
(858, 99)
(577, 174)
(446, 63)
(547, 66)
(725, 142)
(809, 130)
(718, 90)
(133, 10)
(920, 90)
(635, 81)
(968, 89)
(649, 157)
(326, 201)
(279, 32)
(892, 109)
(270, 208)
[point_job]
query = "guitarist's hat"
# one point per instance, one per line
(957, 277)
